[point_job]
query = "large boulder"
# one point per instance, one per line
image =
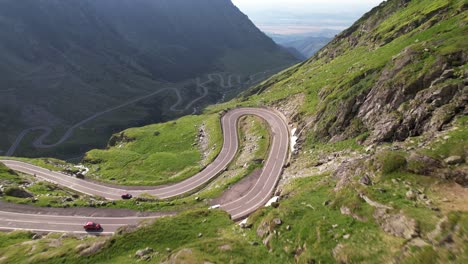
(87, 250)
(397, 225)
(17, 192)
(453, 160)
(423, 165)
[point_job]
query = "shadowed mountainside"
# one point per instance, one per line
(63, 61)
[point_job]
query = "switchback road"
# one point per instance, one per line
(258, 195)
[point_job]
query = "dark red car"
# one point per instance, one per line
(126, 196)
(91, 226)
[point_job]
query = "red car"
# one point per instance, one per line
(126, 196)
(91, 226)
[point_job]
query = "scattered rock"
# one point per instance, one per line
(277, 221)
(365, 180)
(36, 236)
(373, 203)
(126, 229)
(273, 200)
(346, 171)
(423, 165)
(422, 196)
(454, 160)
(95, 248)
(118, 139)
(438, 230)
(334, 225)
(382, 190)
(347, 236)
(397, 224)
(267, 241)
(448, 239)
(182, 256)
(143, 252)
(288, 227)
(337, 252)
(245, 223)
(418, 242)
(346, 211)
(411, 195)
(199, 235)
(68, 235)
(225, 247)
(263, 229)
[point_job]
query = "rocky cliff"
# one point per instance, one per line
(381, 113)
(399, 71)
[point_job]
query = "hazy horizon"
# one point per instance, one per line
(304, 16)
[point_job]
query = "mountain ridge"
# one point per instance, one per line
(378, 174)
(66, 61)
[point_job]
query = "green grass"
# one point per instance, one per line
(395, 196)
(45, 194)
(314, 233)
(7, 175)
(330, 81)
(47, 163)
(156, 154)
(455, 145)
(311, 227)
(327, 82)
(50, 195)
(166, 236)
(12, 238)
(256, 128)
(390, 161)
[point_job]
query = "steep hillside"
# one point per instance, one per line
(379, 174)
(63, 62)
(306, 45)
(399, 71)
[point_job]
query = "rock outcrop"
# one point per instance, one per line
(397, 224)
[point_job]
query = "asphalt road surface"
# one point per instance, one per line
(258, 195)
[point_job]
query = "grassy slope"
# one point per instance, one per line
(328, 82)
(312, 236)
(44, 194)
(47, 194)
(235, 173)
(6, 174)
(156, 154)
(312, 229)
